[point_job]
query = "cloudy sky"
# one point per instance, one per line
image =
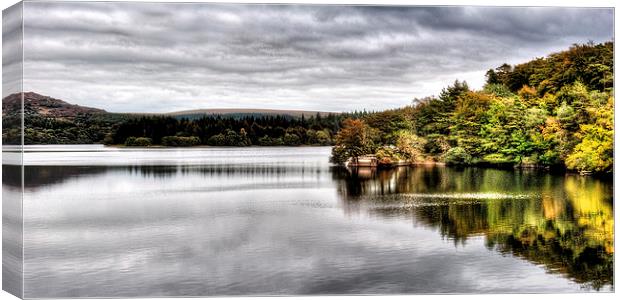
(146, 57)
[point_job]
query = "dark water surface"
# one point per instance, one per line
(264, 221)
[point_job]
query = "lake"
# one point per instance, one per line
(282, 221)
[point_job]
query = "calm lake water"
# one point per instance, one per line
(271, 221)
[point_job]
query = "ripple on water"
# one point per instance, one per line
(413, 200)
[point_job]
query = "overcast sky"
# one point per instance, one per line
(146, 57)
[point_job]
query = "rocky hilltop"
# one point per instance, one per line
(35, 104)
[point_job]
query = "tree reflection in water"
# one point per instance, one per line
(561, 221)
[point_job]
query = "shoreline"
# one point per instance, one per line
(558, 169)
(205, 146)
(487, 165)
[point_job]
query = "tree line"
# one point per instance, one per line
(218, 130)
(550, 112)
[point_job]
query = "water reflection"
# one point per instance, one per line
(44, 176)
(299, 228)
(562, 222)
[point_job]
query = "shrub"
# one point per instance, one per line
(530, 160)
(180, 141)
(230, 138)
(269, 141)
(339, 155)
(217, 140)
(322, 138)
(291, 139)
(387, 155)
(108, 139)
(457, 156)
(138, 141)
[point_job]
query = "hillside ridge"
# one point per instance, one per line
(53, 107)
(35, 103)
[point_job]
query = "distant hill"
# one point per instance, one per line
(241, 112)
(35, 104)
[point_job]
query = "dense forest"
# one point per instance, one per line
(217, 130)
(53, 121)
(555, 111)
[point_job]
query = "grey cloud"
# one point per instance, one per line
(12, 50)
(140, 56)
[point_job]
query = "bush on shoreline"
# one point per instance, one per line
(180, 141)
(138, 142)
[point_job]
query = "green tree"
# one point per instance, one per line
(410, 145)
(467, 121)
(457, 156)
(595, 149)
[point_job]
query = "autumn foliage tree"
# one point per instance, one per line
(353, 140)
